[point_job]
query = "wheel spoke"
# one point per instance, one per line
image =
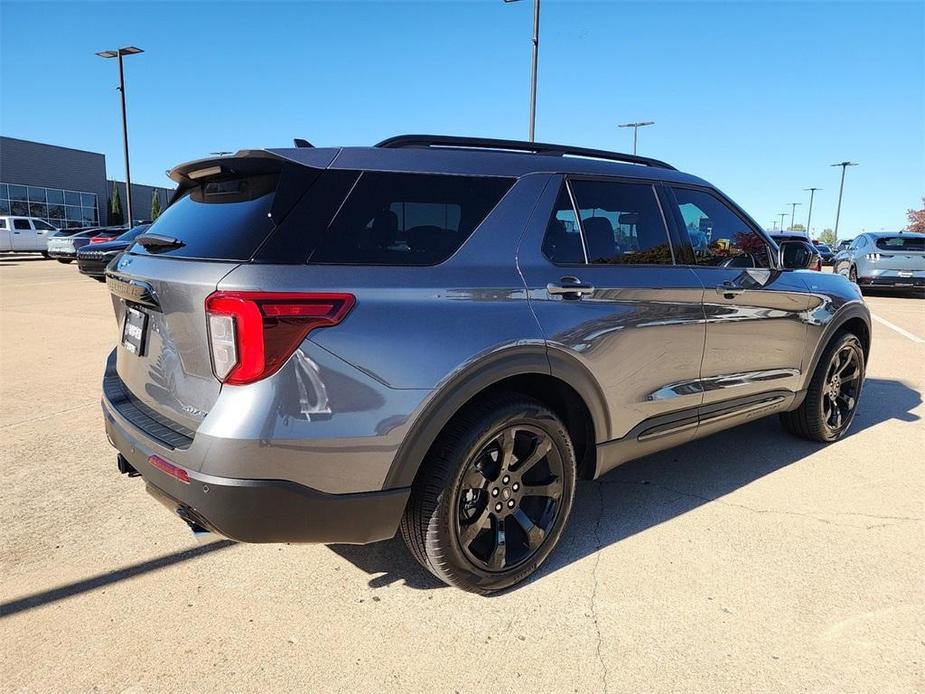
(534, 533)
(848, 400)
(469, 532)
(475, 479)
(849, 361)
(836, 415)
(499, 554)
(540, 451)
(551, 490)
(849, 379)
(506, 443)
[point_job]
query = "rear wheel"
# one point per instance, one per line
(494, 495)
(853, 274)
(44, 254)
(832, 398)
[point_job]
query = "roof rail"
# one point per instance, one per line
(400, 141)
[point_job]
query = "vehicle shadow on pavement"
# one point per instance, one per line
(14, 260)
(649, 491)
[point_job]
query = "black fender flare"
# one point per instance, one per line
(850, 311)
(462, 386)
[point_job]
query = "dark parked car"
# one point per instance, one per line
(64, 248)
(93, 258)
(825, 252)
(440, 335)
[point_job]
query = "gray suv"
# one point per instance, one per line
(441, 335)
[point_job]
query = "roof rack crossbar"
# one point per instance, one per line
(400, 141)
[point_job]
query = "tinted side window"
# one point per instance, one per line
(622, 223)
(39, 224)
(21, 224)
(562, 243)
(407, 219)
(2, 224)
(719, 236)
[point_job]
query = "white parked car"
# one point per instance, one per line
(24, 234)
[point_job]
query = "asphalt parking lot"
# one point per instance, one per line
(749, 561)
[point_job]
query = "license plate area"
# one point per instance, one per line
(135, 330)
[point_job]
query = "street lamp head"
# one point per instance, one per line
(639, 124)
(845, 163)
(125, 50)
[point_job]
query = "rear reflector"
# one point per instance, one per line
(252, 334)
(166, 466)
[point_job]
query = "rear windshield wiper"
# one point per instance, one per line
(157, 242)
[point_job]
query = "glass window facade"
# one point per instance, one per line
(60, 208)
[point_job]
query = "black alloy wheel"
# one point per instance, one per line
(509, 498)
(493, 494)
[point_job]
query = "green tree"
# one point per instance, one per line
(115, 207)
(798, 227)
(155, 206)
(827, 237)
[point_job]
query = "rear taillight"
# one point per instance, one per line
(252, 334)
(174, 471)
(101, 239)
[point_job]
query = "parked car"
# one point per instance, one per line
(24, 234)
(816, 263)
(64, 248)
(825, 251)
(93, 258)
(884, 260)
(439, 335)
(842, 245)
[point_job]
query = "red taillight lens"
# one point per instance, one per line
(251, 334)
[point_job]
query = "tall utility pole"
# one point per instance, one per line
(635, 127)
(809, 218)
(533, 69)
(782, 215)
(118, 53)
(841, 189)
(793, 211)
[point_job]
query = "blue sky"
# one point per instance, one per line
(758, 98)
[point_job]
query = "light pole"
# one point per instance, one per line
(635, 127)
(841, 189)
(793, 211)
(533, 68)
(782, 215)
(809, 218)
(118, 53)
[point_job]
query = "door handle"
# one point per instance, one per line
(569, 288)
(729, 290)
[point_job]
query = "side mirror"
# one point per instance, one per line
(798, 255)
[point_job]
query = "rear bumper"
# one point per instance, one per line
(60, 253)
(264, 510)
(92, 268)
(892, 281)
(276, 511)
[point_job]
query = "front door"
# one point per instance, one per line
(599, 266)
(755, 313)
(23, 235)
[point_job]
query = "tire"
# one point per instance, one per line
(65, 260)
(44, 254)
(853, 274)
(490, 456)
(816, 418)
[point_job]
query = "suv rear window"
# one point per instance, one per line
(407, 219)
(901, 243)
(220, 219)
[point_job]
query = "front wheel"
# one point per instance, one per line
(493, 495)
(65, 260)
(853, 274)
(834, 391)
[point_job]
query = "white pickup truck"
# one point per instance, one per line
(24, 235)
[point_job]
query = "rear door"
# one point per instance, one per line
(607, 292)
(23, 236)
(42, 231)
(755, 314)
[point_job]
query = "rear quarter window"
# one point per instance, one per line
(407, 219)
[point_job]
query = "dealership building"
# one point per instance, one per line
(65, 187)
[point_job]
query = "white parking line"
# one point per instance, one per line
(904, 333)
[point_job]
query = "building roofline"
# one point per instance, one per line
(46, 144)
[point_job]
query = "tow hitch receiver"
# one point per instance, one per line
(125, 467)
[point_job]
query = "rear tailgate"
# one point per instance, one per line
(223, 213)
